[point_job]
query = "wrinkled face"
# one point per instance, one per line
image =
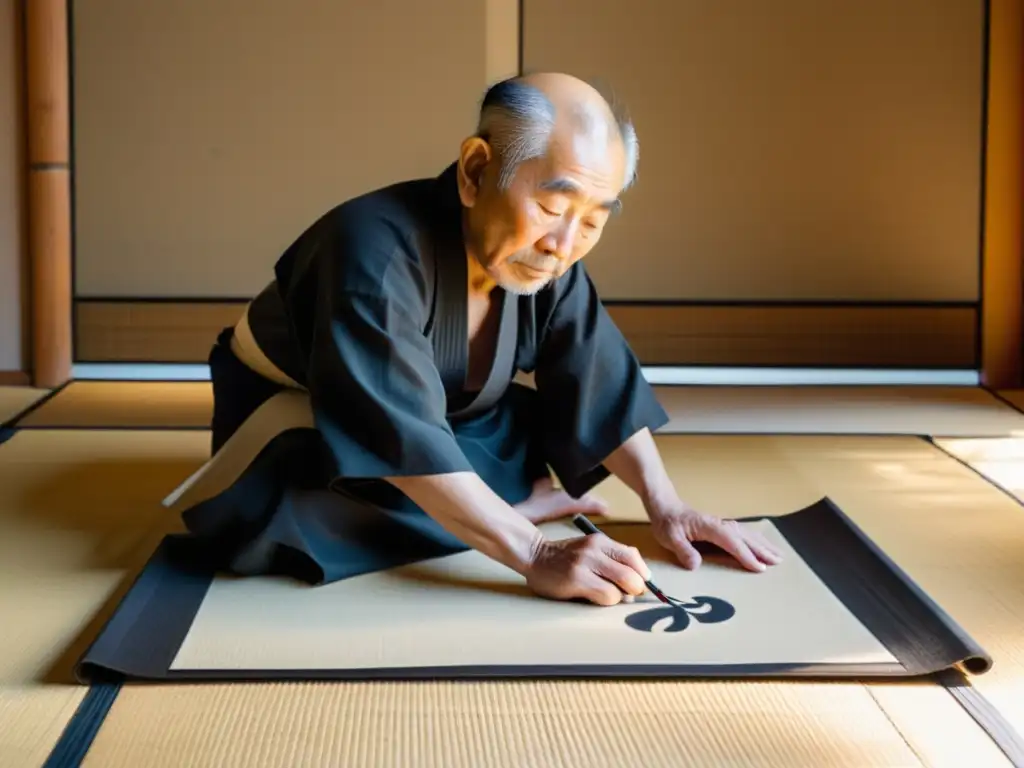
(550, 217)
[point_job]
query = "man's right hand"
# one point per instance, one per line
(594, 568)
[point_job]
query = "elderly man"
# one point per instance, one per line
(405, 314)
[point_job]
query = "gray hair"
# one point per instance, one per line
(517, 120)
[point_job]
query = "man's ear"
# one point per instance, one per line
(475, 158)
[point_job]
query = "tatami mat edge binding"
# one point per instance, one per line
(985, 714)
(77, 512)
(12, 422)
(938, 443)
(77, 737)
(1001, 395)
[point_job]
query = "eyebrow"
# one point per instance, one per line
(570, 187)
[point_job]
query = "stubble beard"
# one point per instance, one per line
(521, 287)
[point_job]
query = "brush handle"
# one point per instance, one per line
(585, 525)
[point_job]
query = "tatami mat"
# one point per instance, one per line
(1013, 396)
(14, 400)
(79, 514)
(999, 459)
(32, 718)
(959, 537)
(543, 724)
(135, 404)
(939, 411)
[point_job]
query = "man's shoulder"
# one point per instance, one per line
(379, 243)
(396, 218)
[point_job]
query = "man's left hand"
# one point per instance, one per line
(677, 530)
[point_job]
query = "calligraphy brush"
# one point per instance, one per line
(588, 528)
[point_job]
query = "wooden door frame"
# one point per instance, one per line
(48, 118)
(1002, 273)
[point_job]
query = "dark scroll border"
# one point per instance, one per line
(914, 628)
(144, 635)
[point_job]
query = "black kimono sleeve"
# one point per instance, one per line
(375, 391)
(592, 389)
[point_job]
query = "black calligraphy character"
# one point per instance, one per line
(703, 609)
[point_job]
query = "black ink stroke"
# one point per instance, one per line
(703, 609)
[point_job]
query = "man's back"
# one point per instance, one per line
(380, 245)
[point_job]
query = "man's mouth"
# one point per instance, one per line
(533, 271)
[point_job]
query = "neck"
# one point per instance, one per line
(480, 283)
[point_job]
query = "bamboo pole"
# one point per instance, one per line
(49, 189)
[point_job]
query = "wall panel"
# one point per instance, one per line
(790, 150)
(207, 134)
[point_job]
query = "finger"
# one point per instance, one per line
(600, 592)
(685, 552)
(756, 540)
(622, 576)
(760, 546)
(628, 556)
(728, 538)
(764, 551)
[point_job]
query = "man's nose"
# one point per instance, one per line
(559, 243)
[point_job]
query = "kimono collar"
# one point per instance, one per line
(450, 327)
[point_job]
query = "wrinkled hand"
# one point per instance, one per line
(594, 568)
(678, 530)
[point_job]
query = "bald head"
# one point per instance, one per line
(567, 93)
(521, 117)
(541, 177)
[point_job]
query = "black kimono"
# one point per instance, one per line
(368, 315)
